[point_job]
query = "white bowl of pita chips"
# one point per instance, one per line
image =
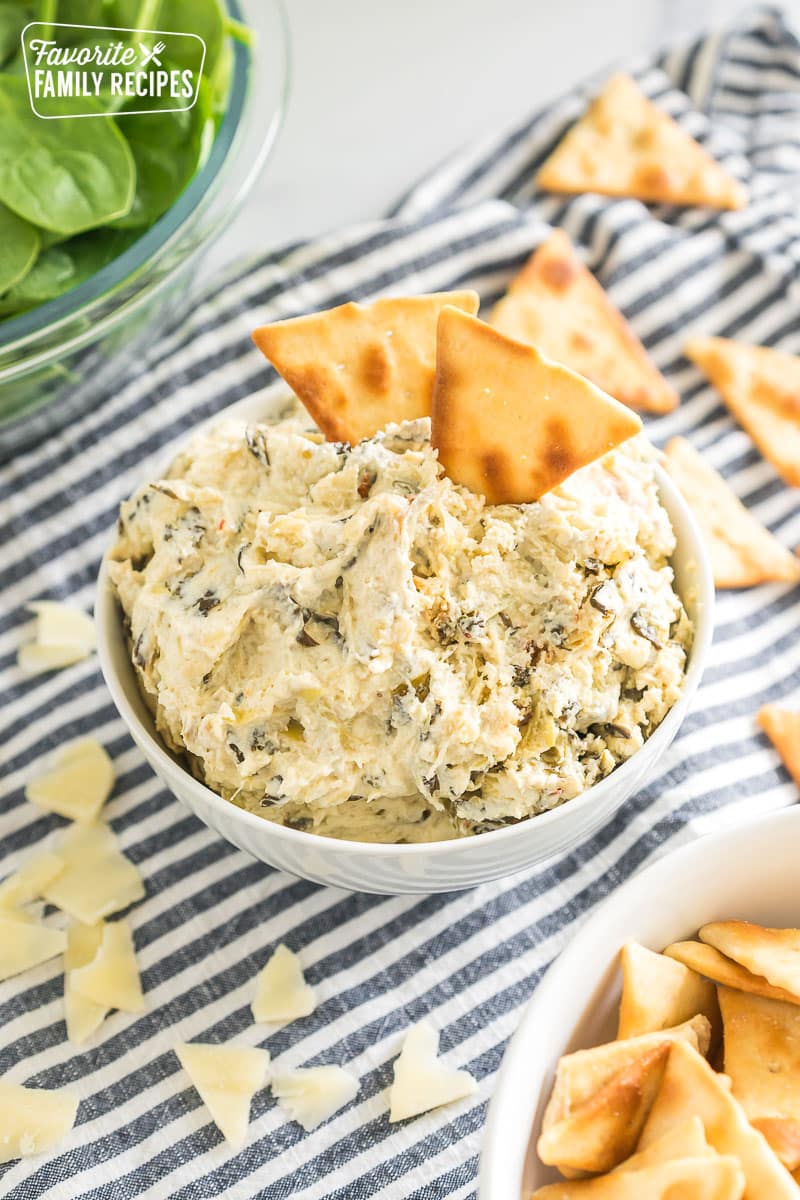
(724, 901)
(292, 599)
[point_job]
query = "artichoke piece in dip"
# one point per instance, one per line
(344, 641)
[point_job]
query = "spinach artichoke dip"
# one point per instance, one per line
(344, 641)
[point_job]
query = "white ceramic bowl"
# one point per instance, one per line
(437, 866)
(747, 873)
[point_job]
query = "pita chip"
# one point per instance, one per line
(783, 1135)
(705, 960)
(773, 953)
(604, 1131)
(691, 1088)
(557, 305)
(659, 992)
(717, 1178)
(580, 1074)
(782, 727)
(762, 1053)
(761, 387)
(625, 146)
(360, 367)
(743, 551)
(687, 1140)
(510, 424)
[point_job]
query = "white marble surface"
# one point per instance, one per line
(384, 89)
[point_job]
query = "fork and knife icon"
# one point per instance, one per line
(150, 54)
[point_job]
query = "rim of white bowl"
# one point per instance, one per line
(108, 625)
(494, 1166)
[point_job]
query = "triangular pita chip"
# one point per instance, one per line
(718, 1178)
(227, 1078)
(709, 962)
(604, 1131)
(580, 1074)
(743, 551)
(782, 727)
(557, 305)
(783, 1135)
(687, 1140)
(508, 423)
(691, 1088)
(761, 387)
(625, 146)
(360, 367)
(659, 992)
(772, 953)
(762, 1053)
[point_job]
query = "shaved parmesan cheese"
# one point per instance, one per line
(79, 784)
(25, 944)
(97, 879)
(84, 1017)
(311, 1095)
(421, 1080)
(227, 1078)
(33, 1120)
(111, 978)
(282, 993)
(64, 635)
(29, 882)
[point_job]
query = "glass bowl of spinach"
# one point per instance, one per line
(77, 301)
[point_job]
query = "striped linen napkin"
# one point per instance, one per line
(467, 961)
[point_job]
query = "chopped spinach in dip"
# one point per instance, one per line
(344, 641)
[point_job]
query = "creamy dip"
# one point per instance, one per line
(344, 641)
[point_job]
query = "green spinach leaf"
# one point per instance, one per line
(19, 246)
(67, 175)
(61, 268)
(13, 19)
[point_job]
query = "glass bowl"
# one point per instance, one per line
(60, 359)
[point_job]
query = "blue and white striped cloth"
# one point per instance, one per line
(467, 961)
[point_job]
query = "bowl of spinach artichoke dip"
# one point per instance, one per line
(344, 642)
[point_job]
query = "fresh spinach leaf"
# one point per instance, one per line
(68, 175)
(168, 148)
(13, 19)
(61, 268)
(204, 18)
(19, 246)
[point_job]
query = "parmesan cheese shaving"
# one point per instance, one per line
(111, 977)
(79, 784)
(227, 1078)
(29, 882)
(421, 1080)
(83, 1016)
(311, 1095)
(33, 1120)
(282, 993)
(25, 944)
(97, 879)
(63, 636)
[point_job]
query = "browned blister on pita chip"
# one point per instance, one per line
(710, 962)
(761, 387)
(557, 305)
(782, 727)
(360, 367)
(762, 1054)
(691, 1088)
(660, 992)
(772, 953)
(508, 423)
(605, 1129)
(625, 146)
(743, 552)
(580, 1074)
(717, 1178)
